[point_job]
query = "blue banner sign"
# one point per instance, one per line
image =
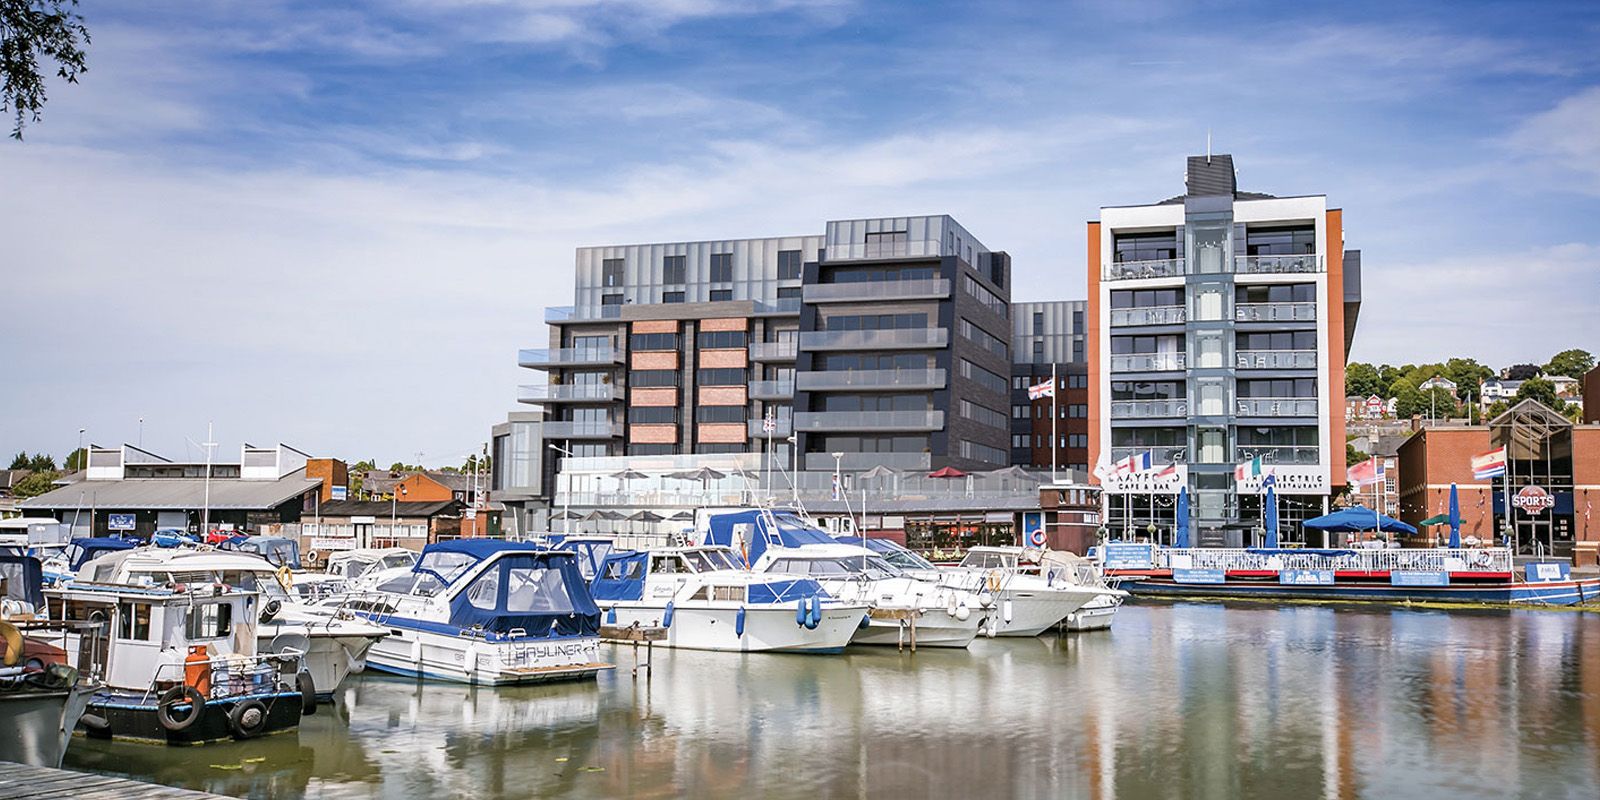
(1414, 578)
(121, 522)
(1548, 571)
(1199, 576)
(1125, 555)
(1033, 533)
(1306, 577)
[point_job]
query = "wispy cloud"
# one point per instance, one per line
(1564, 141)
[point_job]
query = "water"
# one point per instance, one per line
(1177, 701)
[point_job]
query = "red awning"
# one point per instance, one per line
(947, 472)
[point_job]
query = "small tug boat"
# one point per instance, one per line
(706, 602)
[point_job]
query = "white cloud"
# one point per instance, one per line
(1564, 141)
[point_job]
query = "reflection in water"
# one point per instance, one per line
(1190, 700)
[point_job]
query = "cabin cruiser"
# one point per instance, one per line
(1060, 566)
(903, 608)
(179, 664)
(40, 702)
(707, 602)
(62, 565)
(1030, 602)
(359, 569)
(335, 644)
(485, 611)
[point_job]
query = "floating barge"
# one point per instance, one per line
(1466, 576)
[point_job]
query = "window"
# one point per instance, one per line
(672, 297)
(1077, 440)
(879, 274)
(982, 414)
(485, 591)
(1137, 298)
(1278, 340)
(883, 243)
(876, 402)
(654, 341)
(536, 590)
(982, 377)
(1145, 246)
(1077, 350)
(850, 362)
(133, 621)
(1038, 351)
(711, 448)
(721, 268)
(672, 269)
(611, 299)
(1077, 381)
(875, 322)
(788, 265)
(983, 452)
(982, 338)
(724, 376)
(210, 621)
(1077, 410)
(1276, 293)
(1295, 240)
(652, 449)
(787, 292)
(989, 299)
(1020, 440)
(1019, 382)
(1038, 323)
(1077, 320)
(643, 378)
(611, 272)
(1147, 390)
(870, 444)
(712, 340)
(1282, 387)
(722, 414)
(1021, 411)
(653, 415)
(718, 295)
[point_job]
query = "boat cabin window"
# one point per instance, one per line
(734, 593)
(537, 590)
(422, 584)
(989, 561)
(708, 560)
(133, 622)
(210, 621)
(447, 565)
(397, 560)
(246, 580)
(630, 570)
(485, 591)
(668, 565)
(86, 611)
(871, 567)
(703, 593)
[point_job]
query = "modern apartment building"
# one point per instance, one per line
(1049, 340)
(882, 340)
(1218, 326)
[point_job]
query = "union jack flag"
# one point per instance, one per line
(1046, 389)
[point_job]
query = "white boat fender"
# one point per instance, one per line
(1005, 611)
(990, 629)
(416, 652)
(738, 622)
(985, 599)
(666, 619)
(469, 659)
(963, 613)
(950, 606)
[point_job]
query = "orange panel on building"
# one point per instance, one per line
(720, 433)
(722, 395)
(1334, 246)
(1096, 369)
(735, 324)
(332, 471)
(653, 360)
(736, 359)
(653, 434)
(419, 488)
(656, 326)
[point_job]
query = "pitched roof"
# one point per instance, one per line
(226, 494)
(383, 508)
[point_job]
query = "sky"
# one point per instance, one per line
(333, 224)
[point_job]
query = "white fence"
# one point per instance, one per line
(1484, 559)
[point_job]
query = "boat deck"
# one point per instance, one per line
(22, 782)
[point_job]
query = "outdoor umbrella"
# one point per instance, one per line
(1180, 537)
(681, 516)
(628, 475)
(1272, 518)
(1455, 518)
(646, 516)
(879, 471)
(947, 472)
(1357, 518)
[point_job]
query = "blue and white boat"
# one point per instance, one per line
(485, 611)
(707, 602)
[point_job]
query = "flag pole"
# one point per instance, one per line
(1054, 413)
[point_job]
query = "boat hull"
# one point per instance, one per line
(934, 628)
(436, 655)
(1096, 615)
(39, 724)
(132, 717)
(1033, 613)
(330, 659)
(766, 629)
(1554, 593)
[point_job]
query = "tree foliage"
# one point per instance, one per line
(75, 460)
(35, 484)
(1467, 373)
(1361, 380)
(1522, 372)
(33, 32)
(1571, 363)
(38, 462)
(1541, 390)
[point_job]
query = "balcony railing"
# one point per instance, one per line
(785, 426)
(1148, 362)
(855, 462)
(899, 338)
(1272, 265)
(1134, 270)
(782, 305)
(568, 429)
(560, 314)
(869, 420)
(1488, 559)
(884, 379)
(568, 357)
(1277, 359)
(920, 289)
(1277, 406)
(1278, 454)
(1145, 409)
(770, 390)
(1154, 315)
(566, 393)
(922, 248)
(1275, 312)
(1158, 455)
(772, 351)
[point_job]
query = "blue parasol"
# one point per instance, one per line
(1180, 534)
(1455, 518)
(1272, 517)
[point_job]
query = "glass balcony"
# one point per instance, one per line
(1275, 265)
(568, 357)
(1277, 359)
(1146, 409)
(1148, 362)
(894, 339)
(566, 393)
(772, 351)
(568, 429)
(1275, 312)
(883, 379)
(782, 305)
(756, 431)
(922, 248)
(1159, 456)
(921, 289)
(771, 390)
(1277, 406)
(556, 315)
(1278, 454)
(1154, 315)
(869, 420)
(1134, 270)
(856, 462)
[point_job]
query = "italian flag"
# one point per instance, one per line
(1249, 469)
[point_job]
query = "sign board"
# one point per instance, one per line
(1033, 533)
(325, 543)
(1148, 482)
(1199, 576)
(1533, 500)
(1418, 578)
(1126, 555)
(339, 492)
(363, 520)
(122, 522)
(1548, 571)
(1303, 479)
(1306, 577)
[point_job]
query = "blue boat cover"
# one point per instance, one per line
(790, 531)
(480, 549)
(621, 577)
(591, 552)
(785, 591)
(537, 591)
(23, 578)
(87, 549)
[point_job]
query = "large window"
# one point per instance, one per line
(788, 265)
(645, 378)
(721, 267)
(983, 452)
(133, 621)
(1277, 340)
(1146, 246)
(210, 621)
(672, 297)
(1125, 345)
(982, 338)
(653, 415)
(611, 272)
(982, 414)
(654, 341)
(1147, 390)
(722, 413)
(849, 362)
(722, 376)
(1276, 293)
(611, 299)
(876, 402)
(880, 274)
(1278, 387)
(874, 322)
(719, 295)
(652, 449)
(1144, 298)
(989, 299)
(535, 590)
(672, 270)
(869, 444)
(983, 377)
(1295, 240)
(711, 340)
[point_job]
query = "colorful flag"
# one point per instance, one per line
(1489, 465)
(1267, 482)
(1366, 473)
(836, 486)
(1136, 463)
(1168, 470)
(1046, 389)
(1248, 469)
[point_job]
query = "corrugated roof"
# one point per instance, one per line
(147, 494)
(382, 508)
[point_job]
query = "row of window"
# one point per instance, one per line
(982, 414)
(978, 451)
(881, 274)
(1163, 245)
(1294, 435)
(1077, 320)
(1073, 381)
(674, 269)
(989, 299)
(653, 341)
(874, 322)
(712, 340)
(849, 362)
(876, 402)
(1042, 410)
(982, 377)
(850, 443)
(983, 338)
(1024, 440)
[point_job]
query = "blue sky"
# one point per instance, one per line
(333, 224)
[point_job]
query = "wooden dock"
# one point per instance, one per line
(22, 782)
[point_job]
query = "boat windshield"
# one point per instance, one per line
(446, 564)
(709, 560)
(1005, 561)
(898, 555)
(863, 566)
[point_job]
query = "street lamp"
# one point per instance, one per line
(566, 497)
(794, 466)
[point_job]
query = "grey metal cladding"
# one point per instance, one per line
(1208, 176)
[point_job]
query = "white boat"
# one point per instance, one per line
(1063, 567)
(335, 645)
(485, 611)
(706, 602)
(41, 698)
(902, 607)
(359, 568)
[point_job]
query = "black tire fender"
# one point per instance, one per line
(179, 695)
(308, 692)
(247, 719)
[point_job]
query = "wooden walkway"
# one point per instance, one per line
(21, 782)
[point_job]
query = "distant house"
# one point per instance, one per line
(1438, 382)
(418, 487)
(1566, 388)
(348, 524)
(1497, 389)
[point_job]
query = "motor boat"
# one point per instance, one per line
(485, 611)
(40, 702)
(903, 609)
(1060, 566)
(61, 566)
(359, 568)
(335, 644)
(1030, 602)
(177, 664)
(707, 602)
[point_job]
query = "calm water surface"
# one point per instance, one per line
(1190, 700)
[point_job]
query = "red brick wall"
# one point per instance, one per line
(423, 489)
(655, 360)
(735, 324)
(656, 326)
(735, 359)
(722, 395)
(1590, 388)
(722, 433)
(653, 434)
(666, 396)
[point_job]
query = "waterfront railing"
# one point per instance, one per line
(1440, 559)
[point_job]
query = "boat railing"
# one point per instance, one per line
(1439, 559)
(232, 674)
